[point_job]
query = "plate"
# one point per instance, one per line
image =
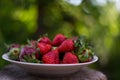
(49, 69)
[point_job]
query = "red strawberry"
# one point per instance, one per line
(45, 40)
(86, 56)
(83, 49)
(58, 39)
(67, 45)
(44, 48)
(70, 58)
(51, 57)
(32, 43)
(38, 56)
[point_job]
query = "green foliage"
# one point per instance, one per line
(20, 20)
(16, 25)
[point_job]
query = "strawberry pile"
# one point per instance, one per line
(60, 50)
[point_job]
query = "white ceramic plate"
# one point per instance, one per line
(49, 69)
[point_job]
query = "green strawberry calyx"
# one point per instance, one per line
(83, 49)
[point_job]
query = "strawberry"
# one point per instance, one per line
(70, 58)
(58, 39)
(27, 54)
(38, 56)
(83, 50)
(67, 45)
(44, 48)
(51, 57)
(45, 39)
(32, 43)
(13, 46)
(86, 56)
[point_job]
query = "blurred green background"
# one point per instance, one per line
(98, 20)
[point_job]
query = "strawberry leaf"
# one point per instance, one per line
(30, 58)
(79, 45)
(83, 49)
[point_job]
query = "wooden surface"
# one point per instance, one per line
(13, 72)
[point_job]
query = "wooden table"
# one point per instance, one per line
(13, 72)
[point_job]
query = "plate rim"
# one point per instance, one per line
(5, 57)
